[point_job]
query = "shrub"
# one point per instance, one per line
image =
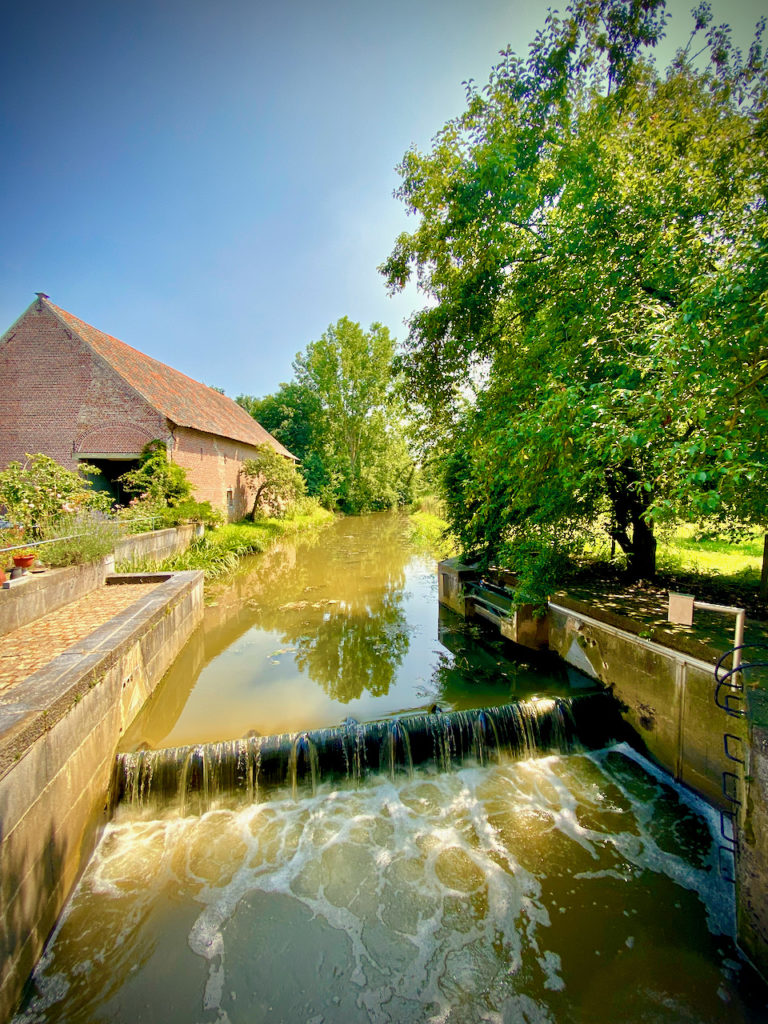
(39, 491)
(156, 478)
(82, 538)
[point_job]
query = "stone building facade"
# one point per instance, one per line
(80, 395)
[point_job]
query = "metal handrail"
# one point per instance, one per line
(74, 536)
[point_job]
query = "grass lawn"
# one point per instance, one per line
(683, 552)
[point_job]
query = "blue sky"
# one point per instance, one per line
(211, 182)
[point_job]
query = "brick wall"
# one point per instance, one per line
(54, 390)
(214, 466)
(58, 397)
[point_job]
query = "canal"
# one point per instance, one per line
(578, 887)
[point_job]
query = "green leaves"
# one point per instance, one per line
(593, 238)
(39, 491)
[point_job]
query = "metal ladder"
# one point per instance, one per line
(730, 681)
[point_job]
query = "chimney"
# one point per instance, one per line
(40, 297)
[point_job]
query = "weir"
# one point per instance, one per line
(196, 777)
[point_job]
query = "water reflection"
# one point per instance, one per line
(342, 622)
(349, 654)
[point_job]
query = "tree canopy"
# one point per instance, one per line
(294, 416)
(342, 418)
(593, 240)
(276, 479)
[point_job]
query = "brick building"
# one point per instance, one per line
(77, 394)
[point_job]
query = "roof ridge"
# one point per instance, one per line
(176, 395)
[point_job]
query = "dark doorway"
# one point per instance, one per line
(107, 479)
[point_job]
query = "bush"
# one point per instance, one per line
(84, 538)
(156, 478)
(39, 491)
(145, 514)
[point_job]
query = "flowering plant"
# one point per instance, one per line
(13, 537)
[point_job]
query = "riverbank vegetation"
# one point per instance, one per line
(219, 551)
(591, 238)
(343, 418)
(429, 528)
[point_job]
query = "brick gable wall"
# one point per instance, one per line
(58, 397)
(54, 392)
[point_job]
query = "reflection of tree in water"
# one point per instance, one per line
(478, 659)
(340, 606)
(356, 650)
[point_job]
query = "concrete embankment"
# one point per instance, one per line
(59, 730)
(667, 689)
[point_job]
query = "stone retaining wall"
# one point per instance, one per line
(667, 695)
(41, 593)
(59, 731)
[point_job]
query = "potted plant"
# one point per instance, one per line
(23, 558)
(22, 554)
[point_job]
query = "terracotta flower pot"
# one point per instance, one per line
(23, 561)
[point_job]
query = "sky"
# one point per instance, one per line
(211, 181)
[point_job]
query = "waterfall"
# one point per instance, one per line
(196, 778)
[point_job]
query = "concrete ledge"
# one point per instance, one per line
(45, 592)
(59, 730)
(666, 637)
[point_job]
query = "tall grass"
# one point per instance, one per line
(219, 551)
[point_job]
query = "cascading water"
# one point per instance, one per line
(195, 778)
(448, 868)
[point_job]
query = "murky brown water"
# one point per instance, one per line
(580, 888)
(574, 889)
(342, 623)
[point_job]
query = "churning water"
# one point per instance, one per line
(581, 887)
(576, 888)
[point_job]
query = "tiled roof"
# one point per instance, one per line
(184, 401)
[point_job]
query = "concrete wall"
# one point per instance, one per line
(158, 544)
(42, 593)
(752, 857)
(45, 592)
(668, 695)
(59, 730)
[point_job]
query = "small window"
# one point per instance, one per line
(230, 500)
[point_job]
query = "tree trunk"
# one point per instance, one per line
(252, 516)
(641, 559)
(630, 506)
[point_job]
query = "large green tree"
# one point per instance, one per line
(349, 371)
(294, 416)
(342, 417)
(593, 239)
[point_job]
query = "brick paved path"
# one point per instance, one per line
(25, 650)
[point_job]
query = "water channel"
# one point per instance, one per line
(569, 888)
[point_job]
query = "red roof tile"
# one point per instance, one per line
(184, 401)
